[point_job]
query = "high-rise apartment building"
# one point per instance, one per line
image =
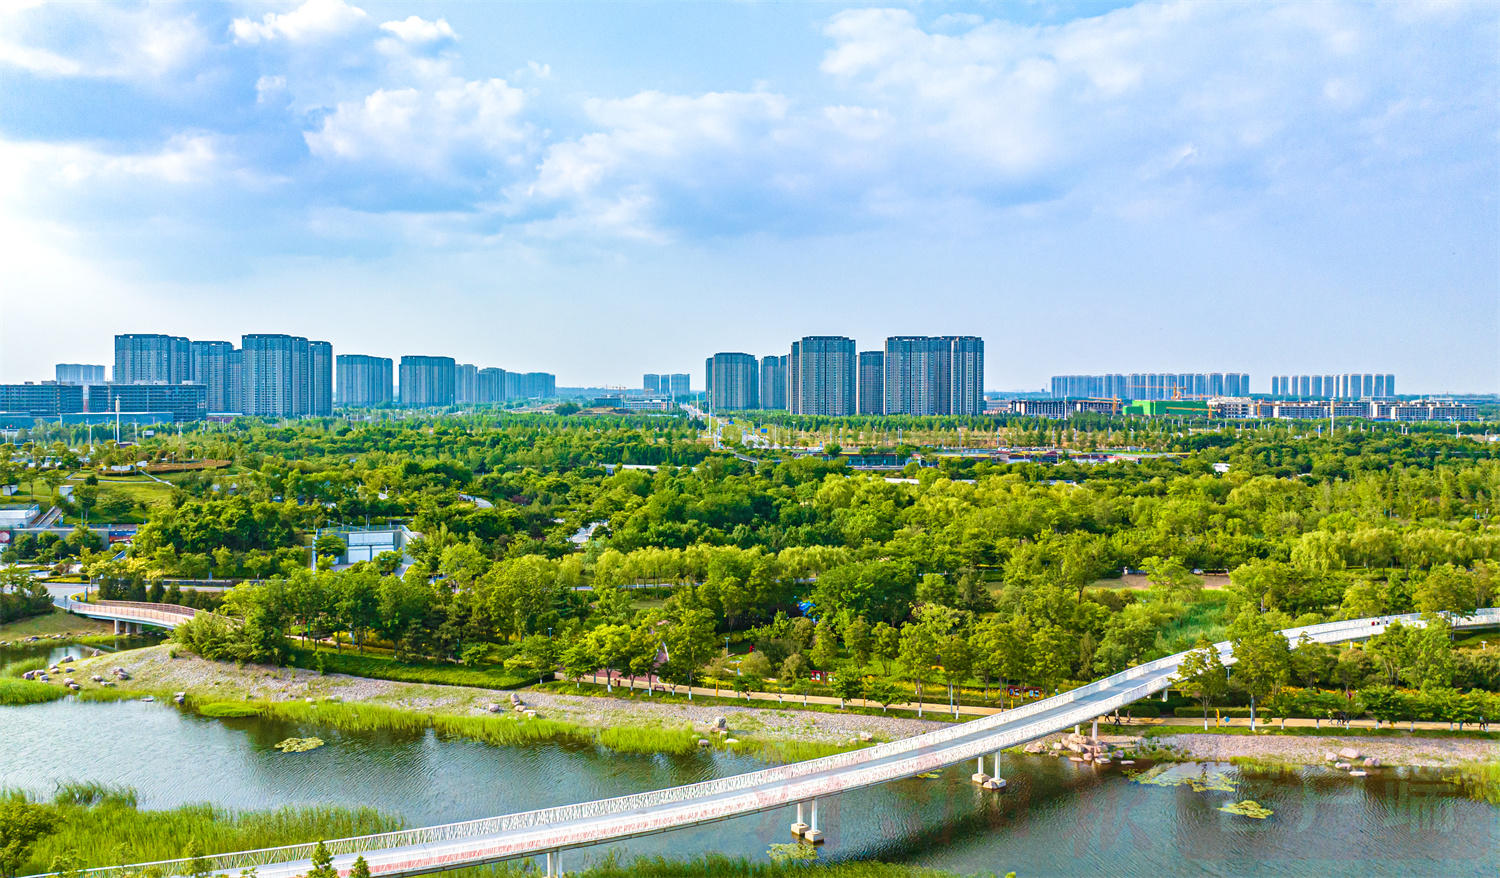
(822, 376)
(1351, 385)
(427, 381)
(773, 382)
(735, 379)
(364, 380)
(678, 384)
(965, 375)
(276, 375)
(466, 383)
(212, 368)
(871, 398)
(319, 378)
(1151, 385)
(80, 373)
(651, 383)
(142, 358)
(934, 375)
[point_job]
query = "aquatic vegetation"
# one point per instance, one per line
(1480, 782)
(299, 745)
(626, 739)
(1248, 808)
(88, 793)
(21, 666)
(16, 692)
(1172, 776)
(223, 709)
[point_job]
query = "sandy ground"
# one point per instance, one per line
(153, 670)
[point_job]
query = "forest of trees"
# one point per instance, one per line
(990, 571)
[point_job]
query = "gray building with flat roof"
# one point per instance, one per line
(427, 382)
(364, 380)
(152, 358)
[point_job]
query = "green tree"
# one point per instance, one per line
(22, 824)
(754, 669)
(882, 691)
(858, 640)
(322, 863)
(360, 869)
(1202, 675)
(847, 683)
(1262, 657)
(1448, 589)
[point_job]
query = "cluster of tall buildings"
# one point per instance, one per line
(827, 375)
(1151, 385)
(672, 384)
(268, 375)
(1349, 386)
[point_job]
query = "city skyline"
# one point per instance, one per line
(1156, 186)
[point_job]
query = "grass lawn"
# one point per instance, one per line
(384, 667)
(55, 622)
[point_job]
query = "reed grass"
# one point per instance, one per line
(508, 731)
(628, 739)
(21, 666)
(101, 826)
(15, 692)
(227, 709)
(1479, 781)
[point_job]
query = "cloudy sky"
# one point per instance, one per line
(604, 189)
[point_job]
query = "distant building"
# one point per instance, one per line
(320, 378)
(212, 367)
(871, 398)
(538, 385)
(185, 402)
(364, 380)
(80, 373)
(678, 384)
(276, 375)
(491, 385)
(651, 383)
(773, 382)
(735, 382)
(1350, 385)
(427, 381)
(1151, 385)
(152, 359)
(41, 400)
(466, 383)
(822, 376)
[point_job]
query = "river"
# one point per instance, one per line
(1058, 817)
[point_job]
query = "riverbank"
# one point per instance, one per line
(55, 625)
(637, 725)
(1398, 749)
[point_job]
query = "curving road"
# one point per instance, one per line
(549, 831)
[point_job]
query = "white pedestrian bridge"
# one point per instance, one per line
(129, 616)
(546, 833)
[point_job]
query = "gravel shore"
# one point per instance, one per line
(1309, 750)
(154, 670)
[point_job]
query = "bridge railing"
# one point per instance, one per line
(133, 611)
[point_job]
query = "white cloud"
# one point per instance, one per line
(427, 129)
(419, 31)
(111, 42)
(313, 20)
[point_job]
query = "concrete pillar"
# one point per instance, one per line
(1095, 732)
(117, 627)
(799, 827)
(814, 834)
(552, 864)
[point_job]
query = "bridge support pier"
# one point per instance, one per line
(553, 865)
(813, 834)
(117, 627)
(799, 827)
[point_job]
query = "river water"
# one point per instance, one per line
(1058, 817)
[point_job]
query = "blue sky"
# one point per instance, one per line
(601, 190)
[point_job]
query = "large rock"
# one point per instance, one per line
(1349, 753)
(721, 722)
